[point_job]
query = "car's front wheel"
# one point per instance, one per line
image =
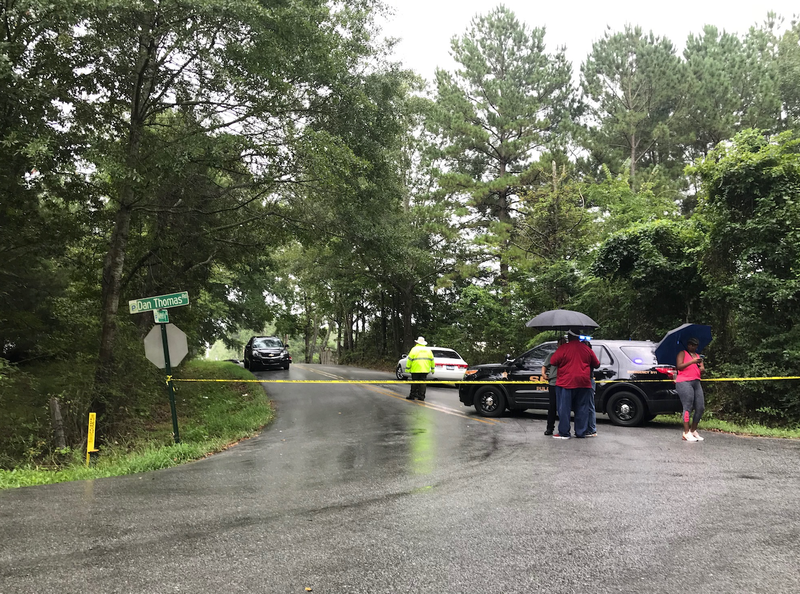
(625, 409)
(399, 373)
(286, 366)
(490, 401)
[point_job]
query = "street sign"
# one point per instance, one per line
(161, 316)
(165, 345)
(160, 302)
(154, 347)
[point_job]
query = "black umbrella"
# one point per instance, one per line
(561, 319)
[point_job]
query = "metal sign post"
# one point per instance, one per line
(170, 387)
(169, 333)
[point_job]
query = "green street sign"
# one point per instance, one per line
(160, 302)
(161, 316)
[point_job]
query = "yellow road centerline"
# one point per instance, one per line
(436, 407)
(325, 373)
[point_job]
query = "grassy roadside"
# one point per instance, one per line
(746, 430)
(211, 417)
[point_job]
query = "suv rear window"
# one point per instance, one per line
(640, 355)
(442, 354)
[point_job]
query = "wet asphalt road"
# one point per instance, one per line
(354, 489)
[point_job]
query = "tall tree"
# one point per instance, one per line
(508, 100)
(774, 61)
(789, 75)
(258, 69)
(40, 202)
(719, 91)
(634, 87)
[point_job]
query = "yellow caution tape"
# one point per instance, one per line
(750, 379)
(497, 381)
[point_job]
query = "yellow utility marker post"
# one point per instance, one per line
(90, 449)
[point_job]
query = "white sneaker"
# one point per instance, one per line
(697, 436)
(689, 437)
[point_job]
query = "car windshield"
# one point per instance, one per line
(267, 343)
(444, 354)
(640, 355)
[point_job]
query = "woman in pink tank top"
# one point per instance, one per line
(690, 369)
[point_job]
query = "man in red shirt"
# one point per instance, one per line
(575, 362)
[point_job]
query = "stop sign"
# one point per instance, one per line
(154, 349)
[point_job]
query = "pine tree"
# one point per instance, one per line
(508, 101)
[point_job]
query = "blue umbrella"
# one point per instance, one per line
(675, 341)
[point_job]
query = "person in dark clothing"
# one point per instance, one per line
(575, 362)
(550, 373)
(592, 426)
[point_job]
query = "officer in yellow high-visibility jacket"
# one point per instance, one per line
(419, 364)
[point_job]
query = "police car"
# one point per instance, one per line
(632, 387)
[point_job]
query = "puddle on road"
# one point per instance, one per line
(422, 442)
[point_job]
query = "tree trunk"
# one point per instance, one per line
(384, 327)
(397, 330)
(324, 345)
(58, 423)
(112, 283)
(306, 330)
(115, 258)
(314, 336)
(339, 336)
(408, 309)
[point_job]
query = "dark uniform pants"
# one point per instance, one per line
(418, 390)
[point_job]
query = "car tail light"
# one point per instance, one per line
(668, 371)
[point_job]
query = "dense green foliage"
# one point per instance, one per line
(269, 159)
(211, 416)
(752, 265)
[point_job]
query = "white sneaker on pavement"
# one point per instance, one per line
(689, 437)
(697, 436)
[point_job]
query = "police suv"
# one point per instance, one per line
(632, 387)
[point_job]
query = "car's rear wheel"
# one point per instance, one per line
(490, 401)
(625, 409)
(399, 373)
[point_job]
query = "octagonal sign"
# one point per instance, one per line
(154, 349)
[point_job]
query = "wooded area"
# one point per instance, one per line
(269, 158)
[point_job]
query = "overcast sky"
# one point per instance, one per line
(425, 27)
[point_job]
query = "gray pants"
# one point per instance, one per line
(691, 394)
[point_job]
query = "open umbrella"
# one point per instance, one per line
(561, 319)
(675, 340)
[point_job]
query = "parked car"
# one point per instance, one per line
(448, 365)
(631, 399)
(266, 351)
